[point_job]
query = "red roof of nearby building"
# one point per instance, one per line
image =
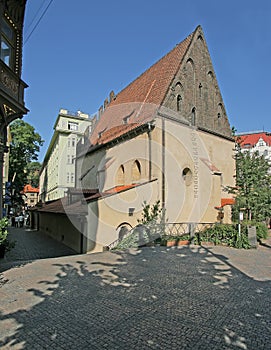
(138, 102)
(226, 201)
(250, 140)
(30, 189)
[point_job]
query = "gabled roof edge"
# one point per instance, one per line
(184, 55)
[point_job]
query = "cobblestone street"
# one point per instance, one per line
(152, 298)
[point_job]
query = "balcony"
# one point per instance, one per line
(11, 90)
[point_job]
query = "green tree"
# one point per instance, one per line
(24, 148)
(33, 170)
(252, 190)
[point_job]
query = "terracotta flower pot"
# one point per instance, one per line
(184, 242)
(171, 243)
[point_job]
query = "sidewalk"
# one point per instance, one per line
(153, 298)
(32, 245)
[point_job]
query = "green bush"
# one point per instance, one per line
(226, 234)
(261, 228)
(3, 230)
(4, 241)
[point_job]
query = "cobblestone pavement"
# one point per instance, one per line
(152, 298)
(32, 245)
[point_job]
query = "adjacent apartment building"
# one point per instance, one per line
(30, 195)
(58, 169)
(257, 141)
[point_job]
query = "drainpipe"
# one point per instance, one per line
(150, 150)
(163, 162)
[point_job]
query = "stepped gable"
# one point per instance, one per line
(138, 102)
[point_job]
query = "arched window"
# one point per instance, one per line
(179, 103)
(193, 116)
(187, 176)
(136, 171)
(120, 175)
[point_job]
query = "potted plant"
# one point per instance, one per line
(183, 240)
(171, 241)
(5, 244)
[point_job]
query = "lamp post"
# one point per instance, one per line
(11, 86)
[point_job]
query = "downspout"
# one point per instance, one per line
(150, 150)
(163, 163)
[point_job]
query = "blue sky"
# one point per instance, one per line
(81, 50)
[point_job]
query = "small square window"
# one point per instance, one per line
(72, 126)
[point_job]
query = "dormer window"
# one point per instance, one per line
(261, 142)
(125, 120)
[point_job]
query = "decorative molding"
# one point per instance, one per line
(16, 9)
(9, 83)
(8, 110)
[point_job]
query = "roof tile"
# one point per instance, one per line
(140, 99)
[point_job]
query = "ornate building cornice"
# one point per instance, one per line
(15, 9)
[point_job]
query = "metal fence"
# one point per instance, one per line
(143, 234)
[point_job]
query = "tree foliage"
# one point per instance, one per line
(151, 213)
(33, 170)
(252, 190)
(24, 148)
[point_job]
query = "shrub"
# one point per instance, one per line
(225, 234)
(3, 230)
(4, 241)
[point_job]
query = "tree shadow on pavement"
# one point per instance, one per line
(153, 298)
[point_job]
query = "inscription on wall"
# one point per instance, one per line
(195, 156)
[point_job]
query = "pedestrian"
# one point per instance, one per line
(13, 221)
(17, 220)
(21, 220)
(27, 219)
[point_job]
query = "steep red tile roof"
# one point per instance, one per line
(250, 140)
(115, 132)
(138, 102)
